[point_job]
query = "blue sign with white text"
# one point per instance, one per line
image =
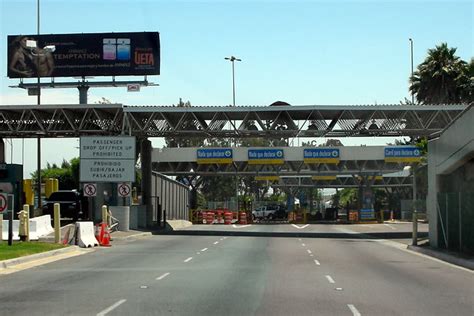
(214, 155)
(402, 154)
(321, 155)
(265, 156)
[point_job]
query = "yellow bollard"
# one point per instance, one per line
(104, 214)
(26, 208)
(28, 189)
(23, 225)
(57, 223)
(55, 185)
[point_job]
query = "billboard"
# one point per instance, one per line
(88, 54)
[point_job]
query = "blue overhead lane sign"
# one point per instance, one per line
(214, 155)
(321, 155)
(265, 157)
(402, 154)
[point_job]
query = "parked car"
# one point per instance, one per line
(69, 201)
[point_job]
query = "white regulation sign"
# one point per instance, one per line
(107, 159)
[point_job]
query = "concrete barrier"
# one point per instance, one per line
(39, 226)
(43, 225)
(122, 214)
(85, 235)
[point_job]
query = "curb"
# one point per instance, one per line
(16, 261)
(144, 234)
(468, 264)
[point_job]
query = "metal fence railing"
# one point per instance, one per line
(456, 221)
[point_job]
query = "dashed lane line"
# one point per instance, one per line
(111, 307)
(316, 262)
(203, 249)
(189, 259)
(354, 310)
(330, 279)
(309, 251)
(216, 242)
(161, 277)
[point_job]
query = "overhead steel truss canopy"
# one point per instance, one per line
(274, 122)
(354, 181)
(352, 160)
(289, 168)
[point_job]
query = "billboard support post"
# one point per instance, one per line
(83, 90)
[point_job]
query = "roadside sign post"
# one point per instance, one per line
(1, 228)
(4, 208)
(123, 191)
(90, 191)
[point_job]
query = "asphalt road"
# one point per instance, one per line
(226, 275)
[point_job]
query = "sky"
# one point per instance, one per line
(301, 52)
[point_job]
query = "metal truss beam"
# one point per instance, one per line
(273, 122)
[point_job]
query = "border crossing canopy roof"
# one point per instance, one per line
(65, 120)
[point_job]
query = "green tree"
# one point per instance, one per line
(442, 78)
(67, 174)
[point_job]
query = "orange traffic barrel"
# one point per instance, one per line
(210, 218)
(228, 218)
(219, 217)
(243, 218)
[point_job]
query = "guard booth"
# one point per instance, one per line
(11, 182)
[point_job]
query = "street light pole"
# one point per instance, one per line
(232, 59)
(411, 50)
(38, 142)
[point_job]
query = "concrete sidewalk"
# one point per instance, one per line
(448, 256)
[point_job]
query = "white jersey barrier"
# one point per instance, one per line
(39, 226)
(86, 235)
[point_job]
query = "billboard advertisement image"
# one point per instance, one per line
(78, 55)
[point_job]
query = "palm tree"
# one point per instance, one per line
(439, 79)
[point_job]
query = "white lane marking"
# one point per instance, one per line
(388, 225)
(161, 277)
(221, 239)
(354, 310)
(216, 242)
(299, 239)
(203, 249)
(317, 262)
(241, 226)
(111, 308)
(309, 251)
(198, 253)
(225, 237)
(330, 280)
(311, 255)
(304, 245)
(189, 259)
(300, 227)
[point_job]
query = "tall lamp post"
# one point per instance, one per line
(411, 58)
(232, 59)
(38, 146)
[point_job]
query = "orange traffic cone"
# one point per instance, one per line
(104, 236)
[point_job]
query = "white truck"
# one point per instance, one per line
(267, 212)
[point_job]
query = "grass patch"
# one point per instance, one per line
(20, 249)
